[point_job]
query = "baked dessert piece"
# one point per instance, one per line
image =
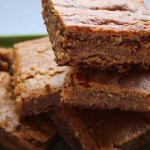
(37, 78)
(99, 34)
(107, 90)
(29, 134)
(103, 130)
(5, 59)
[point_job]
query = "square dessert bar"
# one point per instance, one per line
(37, 78)
(110, 34)
(107, 90)
(5, 59)
(103, 130)
(30, 134)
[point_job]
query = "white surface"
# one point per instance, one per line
(19, 17)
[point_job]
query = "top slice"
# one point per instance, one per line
(99, 34)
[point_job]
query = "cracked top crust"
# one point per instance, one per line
(35, 70)
(100, 15)
(108, 130)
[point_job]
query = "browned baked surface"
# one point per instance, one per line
(5, 59)
(107, 90)
(30, 134)
(103, 130)
(101, 34)
(37, 77)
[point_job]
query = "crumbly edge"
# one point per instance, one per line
(6, 59)
(55, 28)
(38, 105)
(67, 45)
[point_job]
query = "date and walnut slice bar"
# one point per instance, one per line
(107, 90)
(103, 130)
(110, 34)
(37, 78)
(29, 134)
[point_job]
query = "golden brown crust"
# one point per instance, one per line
(99, 34)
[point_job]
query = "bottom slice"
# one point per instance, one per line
(30, 134)
(103, 130)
